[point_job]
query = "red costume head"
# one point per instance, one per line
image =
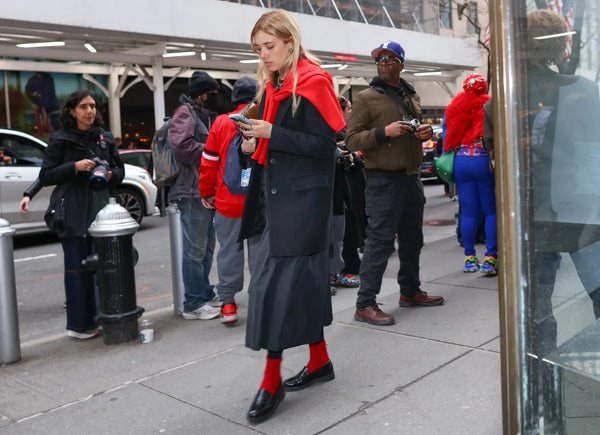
(475, 84)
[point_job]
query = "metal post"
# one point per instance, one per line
(176, 238)
(10, 346)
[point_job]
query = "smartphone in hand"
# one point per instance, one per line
(236, 117)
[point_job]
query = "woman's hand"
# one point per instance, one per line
(259, 128)
(84, 165)
(248, 145)
(24, 205)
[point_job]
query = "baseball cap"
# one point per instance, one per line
(392, 46)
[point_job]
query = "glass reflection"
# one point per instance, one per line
(562, 154)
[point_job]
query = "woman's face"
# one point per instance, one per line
(85, 113)
(347, 111)
(272, 51)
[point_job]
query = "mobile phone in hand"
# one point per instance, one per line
(236, 117)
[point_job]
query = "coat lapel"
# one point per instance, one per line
(282, 113)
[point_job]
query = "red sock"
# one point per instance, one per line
(318, 356)
(272, 377)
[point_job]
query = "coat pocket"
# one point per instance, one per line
(309, 182)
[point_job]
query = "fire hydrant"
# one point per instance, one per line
(113, 262)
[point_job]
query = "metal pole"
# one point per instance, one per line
(10, 346)
(158, 92)
(176, 238)
(7, 100)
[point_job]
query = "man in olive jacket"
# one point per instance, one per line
(385, 126)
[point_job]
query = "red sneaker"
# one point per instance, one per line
(229, 313)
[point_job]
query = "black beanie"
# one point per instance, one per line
(201, 83)
(244, 91)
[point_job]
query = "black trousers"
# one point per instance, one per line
(80, 288)
(394, 206)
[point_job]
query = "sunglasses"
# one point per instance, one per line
(387, 60)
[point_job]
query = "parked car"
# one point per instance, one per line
(139, 157)
(143, 159)
(137, 193)
(431, 154)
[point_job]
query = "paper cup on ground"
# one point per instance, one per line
(147, 335)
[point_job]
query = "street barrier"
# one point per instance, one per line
(176, 238)
(10, 345)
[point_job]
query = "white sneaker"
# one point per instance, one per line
(205, 312)
(84, 335)
(216, 302)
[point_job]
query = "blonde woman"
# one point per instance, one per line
(288, 204)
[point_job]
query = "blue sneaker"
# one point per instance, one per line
(490, 265)
(471, 264)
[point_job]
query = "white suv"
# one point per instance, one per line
(137, 193)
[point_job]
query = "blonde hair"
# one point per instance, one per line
(282, 25)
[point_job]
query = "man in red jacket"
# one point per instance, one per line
(216, 194)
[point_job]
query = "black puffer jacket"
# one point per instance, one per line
(73, 190)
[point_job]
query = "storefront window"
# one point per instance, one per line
(446, 14)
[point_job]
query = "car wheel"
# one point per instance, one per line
(133, 202)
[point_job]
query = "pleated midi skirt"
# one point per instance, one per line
(289, 299)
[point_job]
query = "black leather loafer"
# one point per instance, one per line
(265, 404)
(305, 379)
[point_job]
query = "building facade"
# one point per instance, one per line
(138, 60)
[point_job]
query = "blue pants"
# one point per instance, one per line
(198, 248)
(476, 189)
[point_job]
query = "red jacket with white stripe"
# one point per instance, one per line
(214, 158)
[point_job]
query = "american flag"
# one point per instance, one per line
(564, 8)
(487, 35)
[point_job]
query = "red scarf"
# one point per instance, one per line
(314, 84)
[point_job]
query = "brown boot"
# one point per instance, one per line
(421, 298)
(373, 315)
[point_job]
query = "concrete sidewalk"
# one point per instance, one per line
(437, 370)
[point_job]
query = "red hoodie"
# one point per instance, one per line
(213, 163)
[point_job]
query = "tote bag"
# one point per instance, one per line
(445, 166)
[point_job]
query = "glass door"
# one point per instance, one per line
(547, 148)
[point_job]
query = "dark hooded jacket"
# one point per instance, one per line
(79, 202)
(188, 133)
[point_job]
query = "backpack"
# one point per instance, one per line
(166, 167)
(234, 176)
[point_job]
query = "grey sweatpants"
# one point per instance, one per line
(230, 257)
